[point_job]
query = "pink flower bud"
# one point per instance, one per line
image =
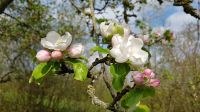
(138, 78)
(57, 55)
(154, 82)
(164, 42)
(43, 56)
(145, 38)
(148, 73)
(75, 50)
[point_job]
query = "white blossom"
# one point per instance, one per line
(110, 28)
(75, 50)
(56, 42)
(128, 49)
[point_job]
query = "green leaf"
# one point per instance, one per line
(101, 20)
(168, 35)
(41, 70)
(119, 72)
(99, 49)
(80, 69)
(135, 95)
(84, 58)
(147, 91)
(142, 108)
(132, 98)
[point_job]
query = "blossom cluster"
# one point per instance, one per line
(125, 47)
(58, 45)
(145, 78)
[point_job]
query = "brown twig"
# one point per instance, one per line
(100, 9)
(120, 95)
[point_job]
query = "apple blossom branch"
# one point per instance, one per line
(94, 33)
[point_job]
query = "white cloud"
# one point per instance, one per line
(178, 21)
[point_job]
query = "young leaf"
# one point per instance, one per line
(135, 95)
(142, 108)
(99, 49)
(80, 69)
(119, 72)
(41, 70)
(147, 91)
(132, 98)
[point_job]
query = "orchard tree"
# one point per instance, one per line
(121, 51)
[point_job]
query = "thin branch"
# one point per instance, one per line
(4, 4)
(93, 20)
(79, 9)
(98, 61)
(3, 79)
(120, 95)
(76, 7)
(111, 90)
(22, 23)
(105, 5)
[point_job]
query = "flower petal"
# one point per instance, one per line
(121, 59)
(103, 28)
(139, 57)
(115, 52)
(67, 38)
(116, 40)
(126, 30)
(52, 37)
(46, 44)
(135, 43)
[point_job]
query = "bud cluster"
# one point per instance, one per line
(145, 78)
(58, 44)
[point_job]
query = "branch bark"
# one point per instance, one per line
(188, 8)
(4, 4)
(186, 4)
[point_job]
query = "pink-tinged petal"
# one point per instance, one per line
(43, 56)
(75, 50)
(148, 73)
(154, 82)
(57, 55)
(138, 78)
(145, 38)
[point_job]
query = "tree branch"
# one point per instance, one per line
(186, 4)
(4, 4)
(22, 23)
(187, 7)
(100, 9)
(120, 95)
